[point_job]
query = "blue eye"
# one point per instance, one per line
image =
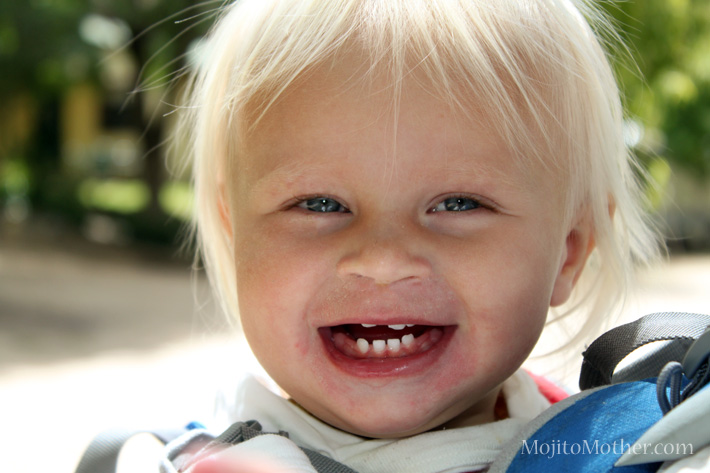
(456, 204)
(322, 204)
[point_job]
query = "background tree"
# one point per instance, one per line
(669, 93)
(48, 46)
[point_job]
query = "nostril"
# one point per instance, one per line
(384, 265)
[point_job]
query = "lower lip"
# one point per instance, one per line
(384, 367)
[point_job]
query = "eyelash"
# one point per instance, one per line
(477, 203)
(301, 203)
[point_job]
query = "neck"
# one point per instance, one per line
(490, 409)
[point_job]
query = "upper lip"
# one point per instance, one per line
(399, 321)
(431, 304)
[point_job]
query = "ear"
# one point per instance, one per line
(225, 217)
(578, 246)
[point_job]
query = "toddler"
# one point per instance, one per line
(391, 195)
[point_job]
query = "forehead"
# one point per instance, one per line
(327, 112)
(347, 104)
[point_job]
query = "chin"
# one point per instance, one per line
(388, 429)
(389, 420)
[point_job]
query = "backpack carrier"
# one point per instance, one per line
(653, 410)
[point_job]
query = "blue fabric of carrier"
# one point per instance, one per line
(590, 431)
(585, 433)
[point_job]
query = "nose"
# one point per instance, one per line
(385, 256)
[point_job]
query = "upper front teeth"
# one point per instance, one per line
(393, 327)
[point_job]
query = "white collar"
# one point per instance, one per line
(455, 450)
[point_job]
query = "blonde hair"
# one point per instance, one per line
(536, 65)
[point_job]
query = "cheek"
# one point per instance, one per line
(506, 286)
(275, 281)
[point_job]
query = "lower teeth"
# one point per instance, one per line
(363, 345)
(378, 346)
(390, 348)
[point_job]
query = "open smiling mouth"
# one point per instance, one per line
(391, 345)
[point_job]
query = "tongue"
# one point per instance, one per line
(381, 332)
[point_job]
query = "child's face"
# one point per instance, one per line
(342, 216)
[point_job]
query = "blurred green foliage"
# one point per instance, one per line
(40, 49)
(128, 50)
(124, 196)
(669, 91)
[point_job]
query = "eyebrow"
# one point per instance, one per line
(293, 172)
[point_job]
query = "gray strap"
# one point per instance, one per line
(243, 431)
(324, 464)
(602, 356)
(101, 456)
